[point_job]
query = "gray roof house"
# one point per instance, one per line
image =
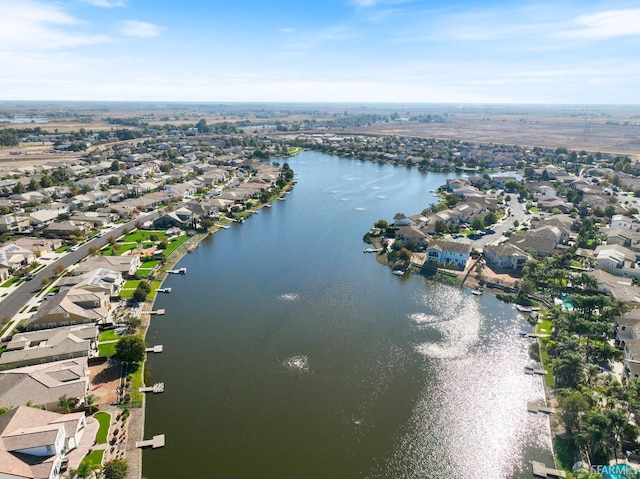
(44, 384)
(37, 347)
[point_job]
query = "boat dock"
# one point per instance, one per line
(539, 372)
(155, 389)
(533, 335)
(157, 312)
(163, 290)
(372, 250)
(540, 470)
(536, 408)
(177, 271)
(156, 442)
(154, 349)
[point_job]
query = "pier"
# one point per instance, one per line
(156, 442)
(154, 349)
(540, 470)
(536, 408)
(531, 371)
(163, 290)
(157, 312)
(155, 389)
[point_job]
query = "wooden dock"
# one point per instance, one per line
(154, 349)
(156, 442)
(155, 389)
(536, 408)
(157, 312)
(540, 470)
(539, 372)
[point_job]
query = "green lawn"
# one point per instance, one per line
(10, 281)
(94, 457)
(106, 349)
(174, 244)
(149, 264)
(132, 283)
(143, 236)
(109, 335)
(104, 418)
(63, 249)
(544, 327)
(549, 379)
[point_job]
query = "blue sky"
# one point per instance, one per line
(321, 51)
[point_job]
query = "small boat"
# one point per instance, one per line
(477, 292)
(524, 309)
(164, 290)
(398, 272)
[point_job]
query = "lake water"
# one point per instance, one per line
(288, 353)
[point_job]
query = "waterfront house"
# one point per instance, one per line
(37, 347)
(34, 443)
(448, 252)
(99, 279)
(70, 307)
(126, 265)
(505, 256)
(44, 384)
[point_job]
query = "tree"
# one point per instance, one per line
(130, 349)
(382, 224)
(477, 224)
(33, 185)
(18, 189)
(115, 165)
(132, 322)
(115, 469)
(67, 403)
(141, 292)
(85, 469)
(490, 218)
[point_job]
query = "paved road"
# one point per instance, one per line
(13, 303)
(516, 212)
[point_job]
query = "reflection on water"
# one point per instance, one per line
(291, 354)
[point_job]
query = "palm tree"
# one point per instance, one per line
(85, 470)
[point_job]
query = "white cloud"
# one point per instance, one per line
(34, 25)
(134, 28)
(606, 24)
(106, 3)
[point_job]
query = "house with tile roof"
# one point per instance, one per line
(44, 384)
(71, 307)
(33, 442)
(43, 346)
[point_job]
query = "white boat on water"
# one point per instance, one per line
(477, 292)
(398, 272)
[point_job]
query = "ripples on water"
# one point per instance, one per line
(468, 422)
(288, 297)
(297, 363)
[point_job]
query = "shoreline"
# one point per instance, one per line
(136, 422)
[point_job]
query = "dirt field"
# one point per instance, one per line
(106, 378)
(544, 131)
